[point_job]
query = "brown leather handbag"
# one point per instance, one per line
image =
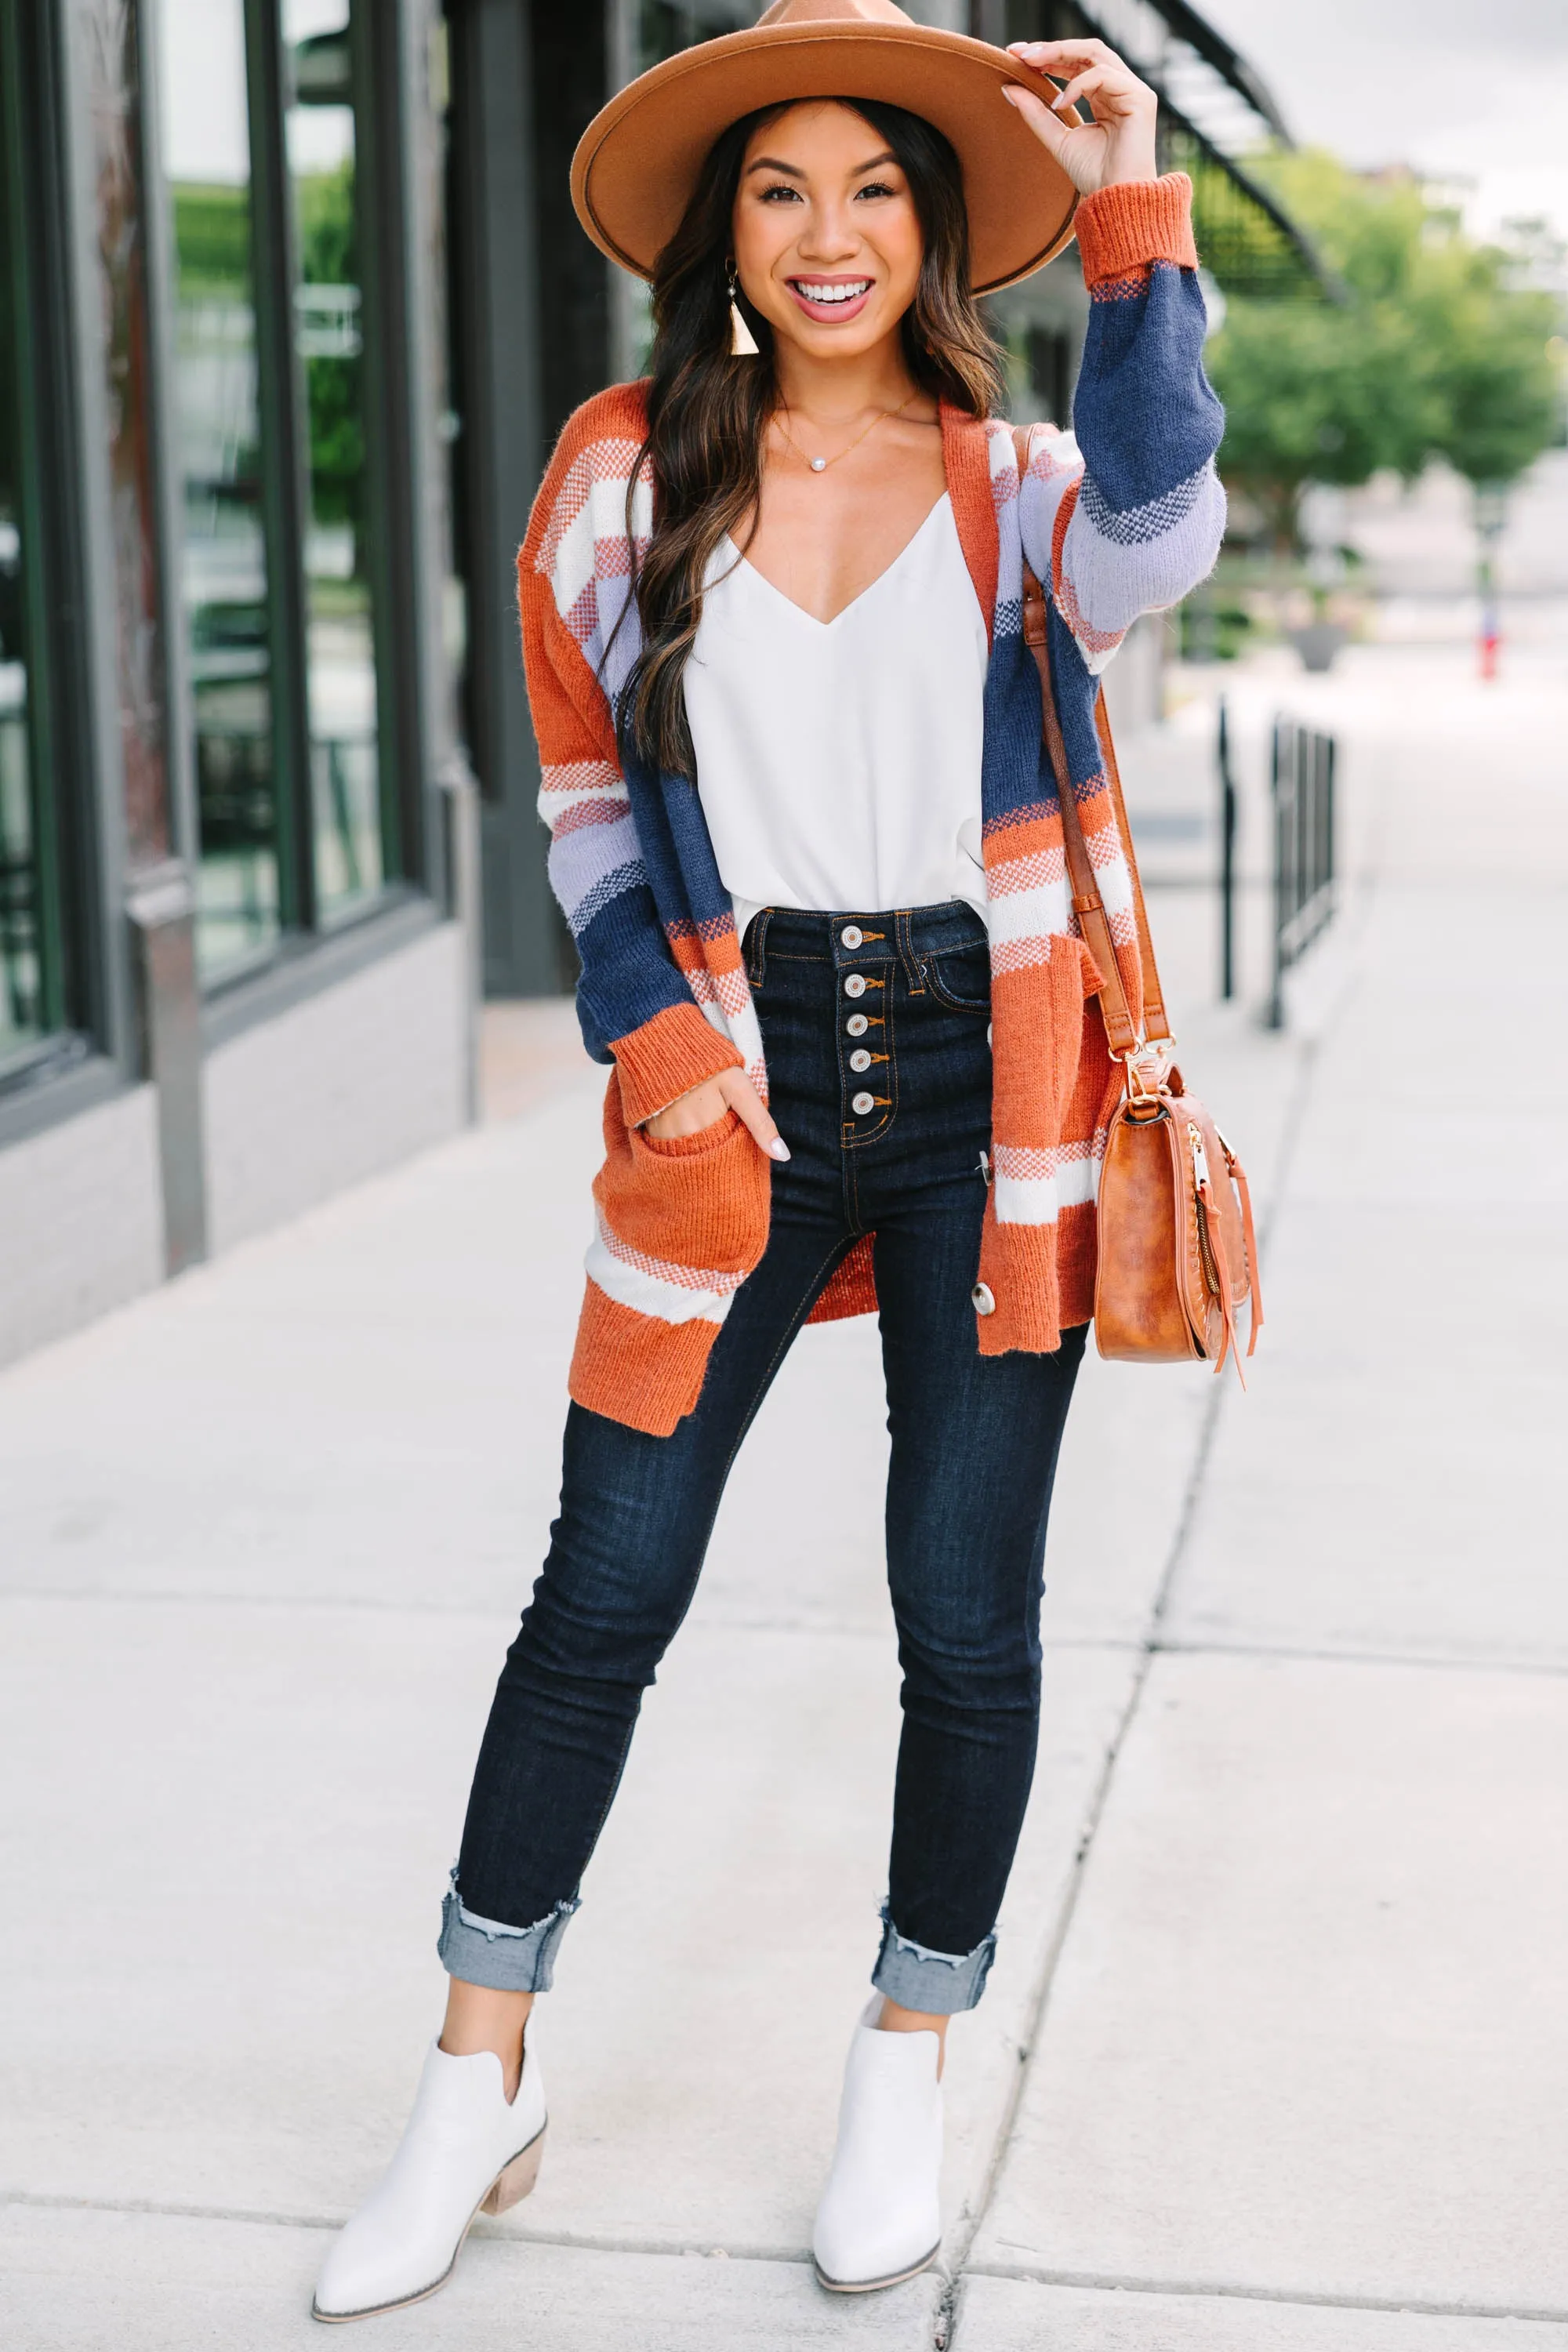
(1177, 1250)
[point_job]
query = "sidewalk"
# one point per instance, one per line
(1272, 2060)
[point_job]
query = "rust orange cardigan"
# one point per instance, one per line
(1120, 520)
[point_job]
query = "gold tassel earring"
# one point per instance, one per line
(742, 342)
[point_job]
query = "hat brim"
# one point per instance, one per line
(637, 162)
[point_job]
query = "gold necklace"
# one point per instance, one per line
(820, 465)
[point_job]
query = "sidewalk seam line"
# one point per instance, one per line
(583, 2241)
(1288, 2298)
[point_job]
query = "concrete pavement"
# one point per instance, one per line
(1272, 2059)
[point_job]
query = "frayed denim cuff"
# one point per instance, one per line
(939, 1983)
(506, 1959)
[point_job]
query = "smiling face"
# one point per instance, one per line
(827, 241)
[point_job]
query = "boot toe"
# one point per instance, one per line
(859, 2254)
(357, 2278)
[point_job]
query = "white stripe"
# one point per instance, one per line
(1027, 914)
(1077, 1182)
(1025, 1199)
(646, 1294)
(1112, 877)
(1037, 1200)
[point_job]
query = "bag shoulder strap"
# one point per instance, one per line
(1121, 1031)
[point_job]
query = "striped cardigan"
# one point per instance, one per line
(1126, 526)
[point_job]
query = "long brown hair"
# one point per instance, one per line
(708, 412)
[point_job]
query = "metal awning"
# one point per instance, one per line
(1216, 113)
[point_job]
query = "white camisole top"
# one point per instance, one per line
(839, 762)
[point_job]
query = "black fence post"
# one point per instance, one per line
(1226, 859)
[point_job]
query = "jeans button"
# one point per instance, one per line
(982, 1301)
(857, 1024)
(861, 1104)
(851, 935)
(855, 984)
(860, 1060)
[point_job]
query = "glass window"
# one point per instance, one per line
(340, 653)
(29, 997)
(282, 528)
(224, 582)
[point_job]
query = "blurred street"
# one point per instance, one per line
(1272, 2058)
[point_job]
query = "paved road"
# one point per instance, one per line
(1273, 2057)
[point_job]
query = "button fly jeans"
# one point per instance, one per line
(875, 1033)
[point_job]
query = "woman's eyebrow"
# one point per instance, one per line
(794, 172)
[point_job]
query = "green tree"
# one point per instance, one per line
(1488, 361)
(335, 382)
(1432, 352)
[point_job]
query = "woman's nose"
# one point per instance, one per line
(830, 234)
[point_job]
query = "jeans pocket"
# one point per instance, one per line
(961, 978)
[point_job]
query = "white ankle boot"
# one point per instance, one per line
(880, 2216)
(466, 2150)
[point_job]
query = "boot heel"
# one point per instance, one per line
(513, 2182)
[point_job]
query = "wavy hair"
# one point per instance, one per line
(708, 411)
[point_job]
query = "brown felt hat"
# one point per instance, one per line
(639, 160)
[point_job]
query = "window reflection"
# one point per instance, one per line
(225, 552)
(22, 1013)
(341, 644)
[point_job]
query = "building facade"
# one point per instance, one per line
(292, 304)
(234, 963)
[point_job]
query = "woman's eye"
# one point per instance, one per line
(783, 190)
(876, 188)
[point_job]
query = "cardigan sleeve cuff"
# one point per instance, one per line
(1121, 229)
(665, 1058)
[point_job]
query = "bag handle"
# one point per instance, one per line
(1120, 1030)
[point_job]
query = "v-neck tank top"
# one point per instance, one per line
(839, 762)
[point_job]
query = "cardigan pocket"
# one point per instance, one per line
(702, 1138)
(681, 1222)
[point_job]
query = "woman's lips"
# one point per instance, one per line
(837, 307)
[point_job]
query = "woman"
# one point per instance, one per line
(812, 858)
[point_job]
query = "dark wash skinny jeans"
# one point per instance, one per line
(974, 1445)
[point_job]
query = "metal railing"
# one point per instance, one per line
(1301, 775)
(1301, 791)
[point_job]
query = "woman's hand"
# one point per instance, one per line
(1119, 144)
(689, 1113)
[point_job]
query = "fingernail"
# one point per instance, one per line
(778, 1149)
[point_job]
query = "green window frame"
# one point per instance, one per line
(42, 1007)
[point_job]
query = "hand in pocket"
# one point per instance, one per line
(706, 1104)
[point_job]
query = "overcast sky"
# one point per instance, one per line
(1479, 91)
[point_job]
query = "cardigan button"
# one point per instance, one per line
(855, 984)
(851, 935)
(982, 1301)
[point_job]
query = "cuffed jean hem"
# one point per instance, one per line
(940, 1984)
(506, 1959)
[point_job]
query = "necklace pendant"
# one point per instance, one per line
(819, 465)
